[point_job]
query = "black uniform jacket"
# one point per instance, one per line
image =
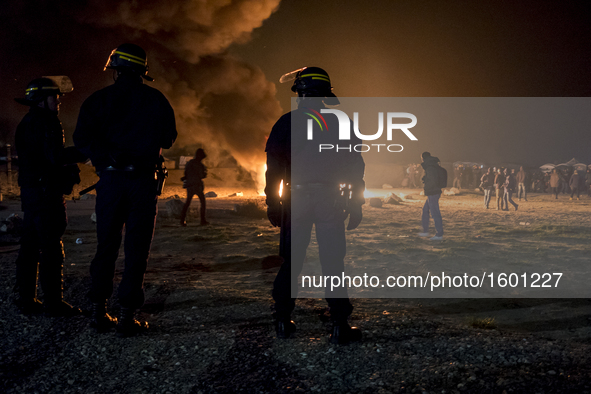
(42, 157)
(124, 124)
(298, 160)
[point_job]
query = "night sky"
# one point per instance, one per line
(220, 63)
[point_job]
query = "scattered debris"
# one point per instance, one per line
(238, 194)
(386, 186)
(393, 199)
(79, 241)
(451, 192)
(524, 223)
(375, 202)
(93, 217)
(174, 207)
(211, 194)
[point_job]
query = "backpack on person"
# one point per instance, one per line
(441, 177)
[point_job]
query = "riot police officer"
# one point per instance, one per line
(312, 196)
(123, 128)
(46, 172)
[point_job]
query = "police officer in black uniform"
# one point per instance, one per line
(46, 172)
(320, 189)
(123, 128)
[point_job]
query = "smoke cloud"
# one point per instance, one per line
(221, 103)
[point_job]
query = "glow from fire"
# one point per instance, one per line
(381, 193)
(281, 189)
(261, 181)
(368, 194)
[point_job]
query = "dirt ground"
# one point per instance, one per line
(209, 307)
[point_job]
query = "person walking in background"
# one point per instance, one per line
(499, 181)
(575, 183)
(195, 172)
(555, 183)
(564, 178)
(433, 181)
(487, 182)
(521, 178)
(458, 177)
(509, 187)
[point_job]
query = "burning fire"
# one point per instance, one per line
(261, 181)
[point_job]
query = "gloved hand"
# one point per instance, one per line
(355, 215)
(274, 214)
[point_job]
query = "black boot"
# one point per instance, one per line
(284, 328)
(59, 308)
(343, 334)
(128, 326)
(101, 321)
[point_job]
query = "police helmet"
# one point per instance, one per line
(39, 89)
(313, 81)
(129, 57)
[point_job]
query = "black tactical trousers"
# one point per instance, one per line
(45, 221)
(315, 208)
(124, 199)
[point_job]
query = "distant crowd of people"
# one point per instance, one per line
(506, 182)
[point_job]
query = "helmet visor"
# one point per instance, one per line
(63, 82)
(291, 76)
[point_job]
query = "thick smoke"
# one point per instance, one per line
(221, 103)
(191, 29)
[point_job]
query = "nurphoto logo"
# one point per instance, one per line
(345, 130)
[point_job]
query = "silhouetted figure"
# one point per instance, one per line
(46, 172)
(509, 186)
(487, 182)
(123, 128)
(457, 183)
(565, 175)
(575, 184)
(467, 177)
(521, 179)
(499, 181)
(555, 182)
(195, 172)
(320, 190)
(432, 188)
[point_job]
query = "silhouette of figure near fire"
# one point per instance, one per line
(319, 189)
(195, 172)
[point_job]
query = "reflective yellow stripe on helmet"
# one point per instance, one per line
(29, 89)
(322, 77)
(131, 58)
